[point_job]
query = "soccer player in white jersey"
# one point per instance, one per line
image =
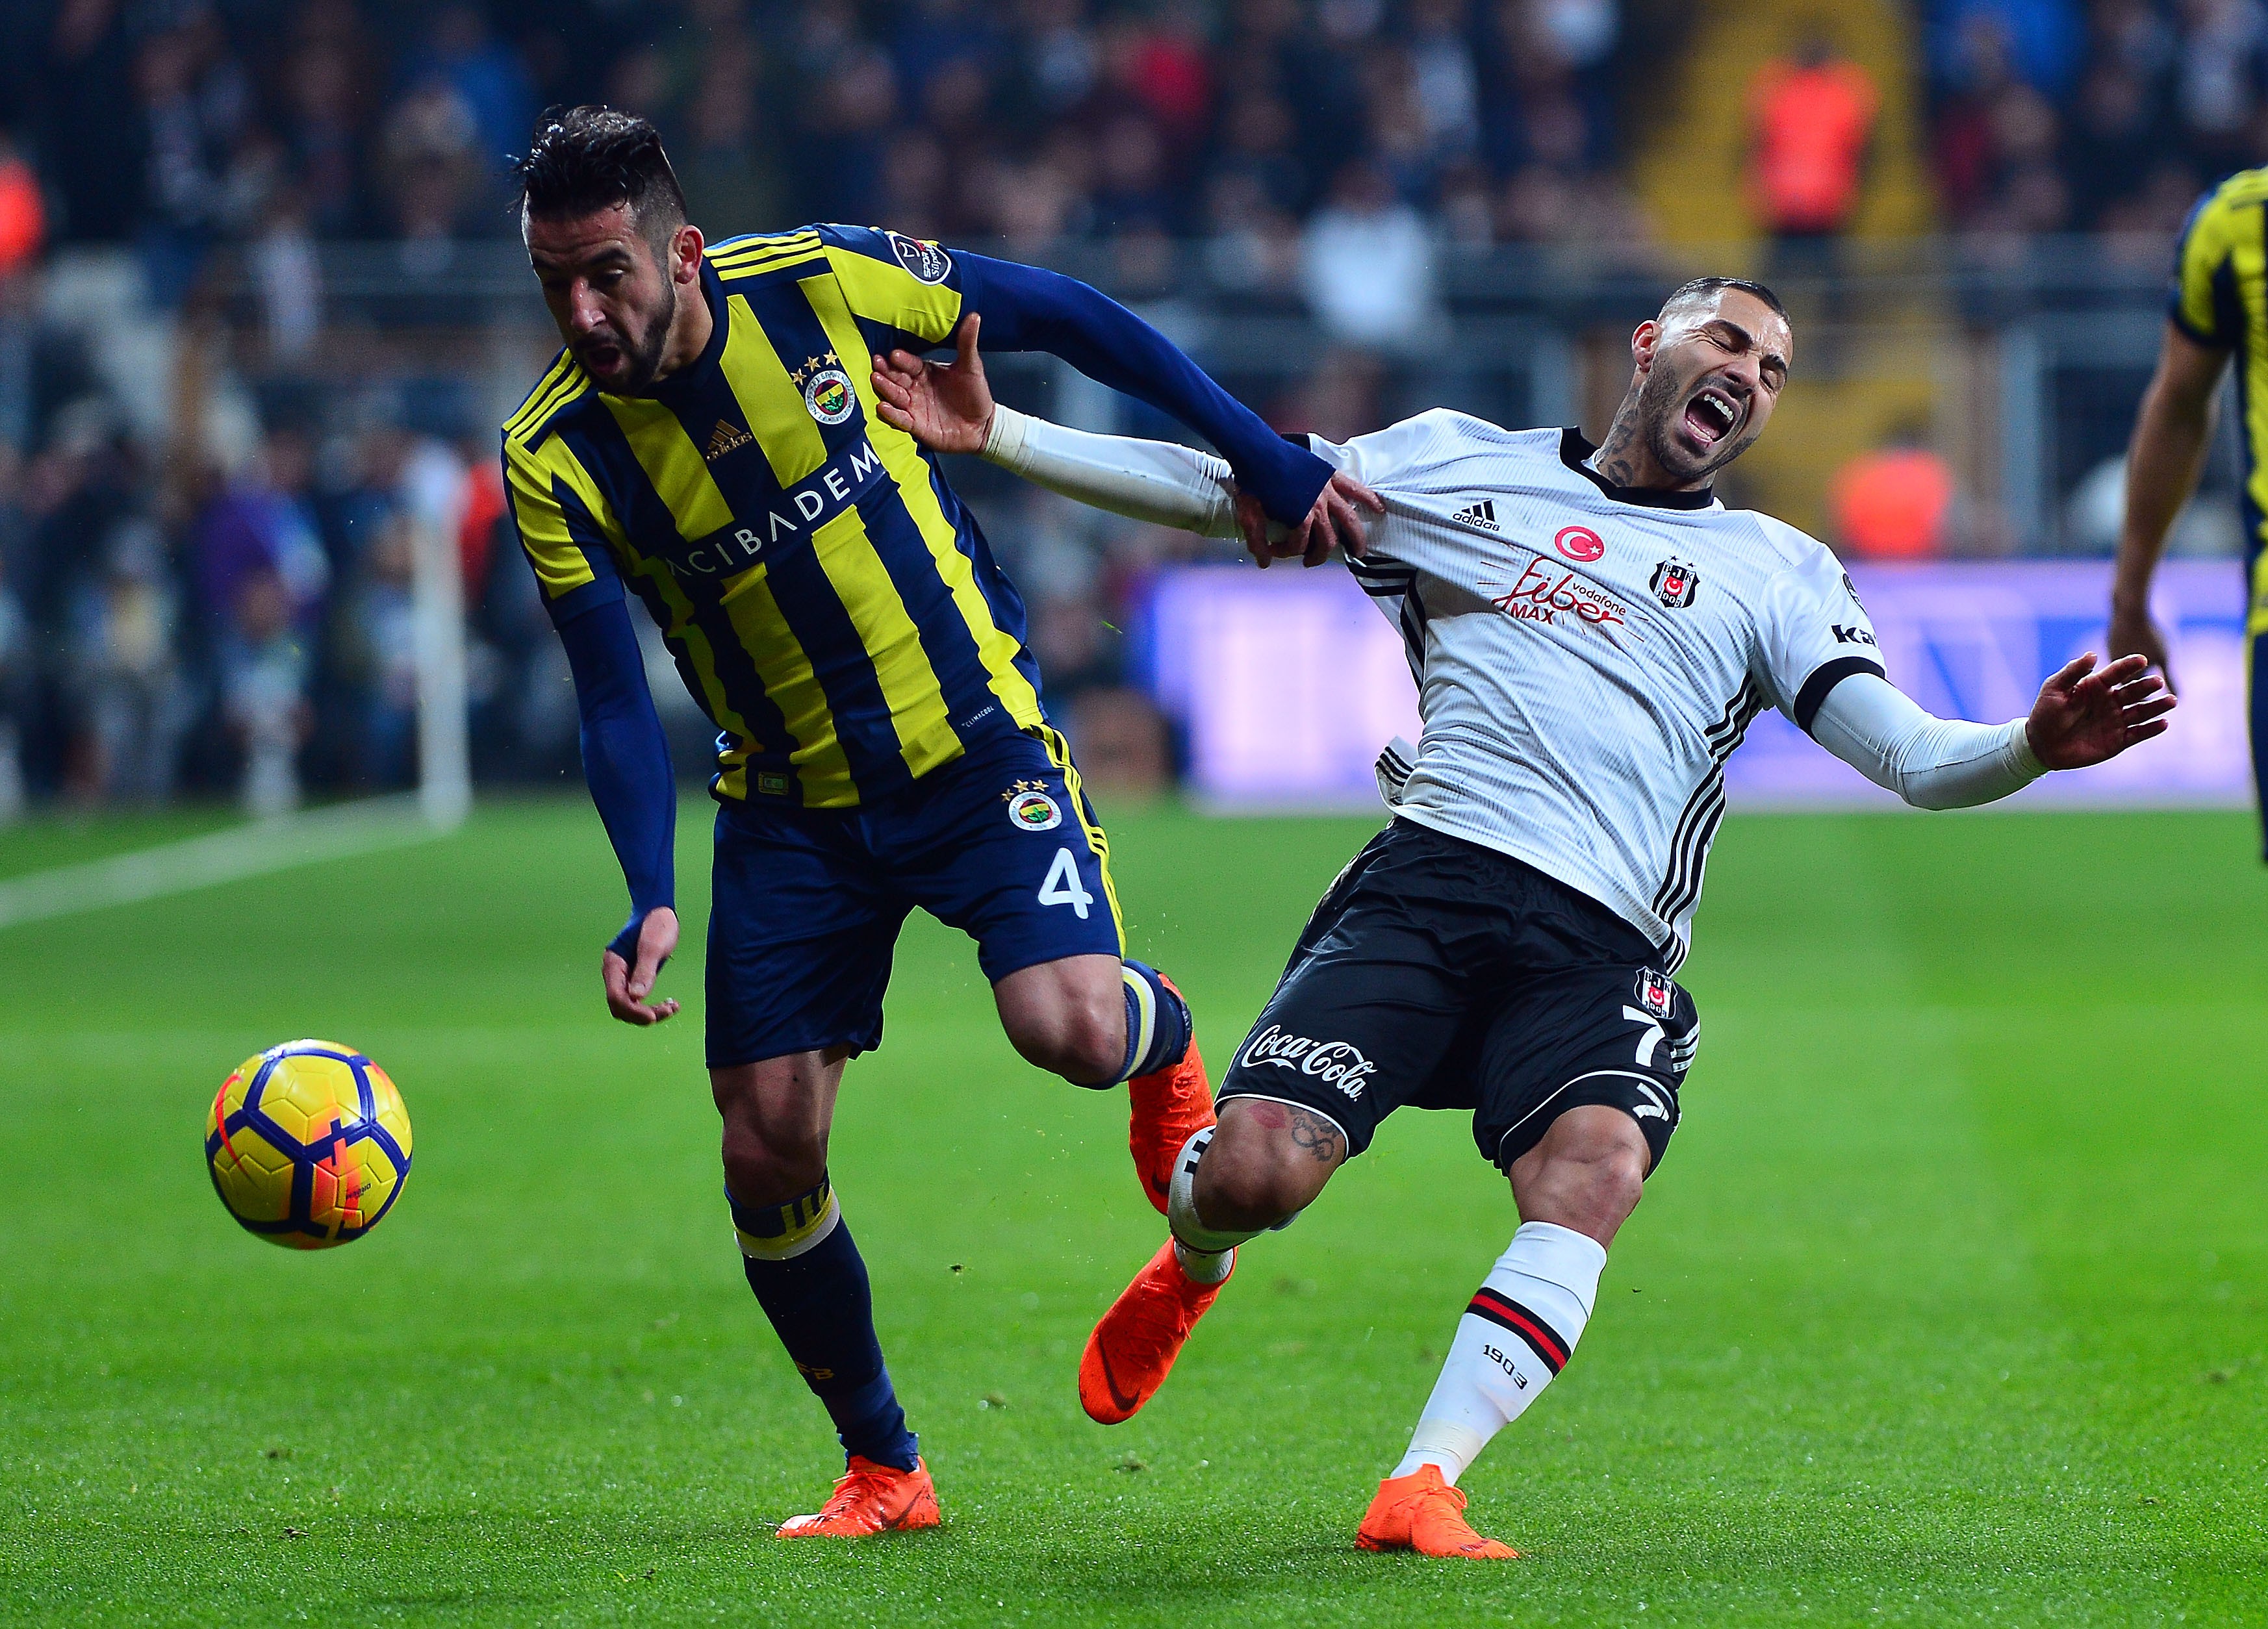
(1592, 632)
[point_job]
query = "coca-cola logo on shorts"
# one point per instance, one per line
(1334, 1063)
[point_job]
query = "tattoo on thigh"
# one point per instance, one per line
(1318, 1136)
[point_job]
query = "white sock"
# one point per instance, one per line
(1205, 1266)
(1182, 1205)
(1519, 1331)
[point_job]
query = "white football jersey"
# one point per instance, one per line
(1589, 656)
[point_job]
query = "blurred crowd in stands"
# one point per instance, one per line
(2053, 116)
(205, 582)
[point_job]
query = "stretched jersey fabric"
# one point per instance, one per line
(1589, 656)
(2220, 300)
(829, 602)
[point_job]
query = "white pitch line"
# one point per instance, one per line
(226, 856)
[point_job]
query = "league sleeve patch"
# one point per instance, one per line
(926, 261)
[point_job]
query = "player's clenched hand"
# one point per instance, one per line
(946, 406)
(1335, 521)
(2086, 714)
(628, 986)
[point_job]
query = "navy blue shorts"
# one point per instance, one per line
(1001, 844)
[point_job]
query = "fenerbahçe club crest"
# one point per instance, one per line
(827, 390)
(1030, 809)
(828, 396)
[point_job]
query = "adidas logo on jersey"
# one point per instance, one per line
(1481, 516)
(722, 440)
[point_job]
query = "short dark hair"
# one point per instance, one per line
(581, 160)
(1701, 287)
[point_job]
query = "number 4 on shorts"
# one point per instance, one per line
(1063, 885)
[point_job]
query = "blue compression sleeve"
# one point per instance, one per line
(625, 759)
(1025, 308)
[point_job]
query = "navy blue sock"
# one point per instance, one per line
(811, 1282)
(1157, 1023)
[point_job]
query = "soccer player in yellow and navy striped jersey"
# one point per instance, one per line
(707, 441)
(2217, 312)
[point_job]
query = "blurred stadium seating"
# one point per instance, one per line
(263, 303)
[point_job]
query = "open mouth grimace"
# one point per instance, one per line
(1711, 416)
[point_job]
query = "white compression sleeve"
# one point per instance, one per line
(1931, 762)
(1150, 480)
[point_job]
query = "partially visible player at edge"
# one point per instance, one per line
(1592, 633)
(2219, 308)
(706, 439)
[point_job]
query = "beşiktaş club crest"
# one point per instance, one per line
(1030, 809)
(926, 261)
(1655, 992)
(827, 390)
(1675, 583)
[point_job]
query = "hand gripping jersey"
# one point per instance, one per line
(1587, 657)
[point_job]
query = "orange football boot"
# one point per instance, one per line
(1423, 1513)
(1133, 1348)
(1170, 1106)
(870, 1498)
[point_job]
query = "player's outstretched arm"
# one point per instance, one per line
(2084, 716)
(1031, 309)
(626, 764)
(948, 408)
(2162, 466)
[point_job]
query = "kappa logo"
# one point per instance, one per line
(1674, 583)
(1851, 636)
(1335, 1063)
(1480, 516)
(726, 437)
(926, 261)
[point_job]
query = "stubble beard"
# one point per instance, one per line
(1659, 401)
(642, 357)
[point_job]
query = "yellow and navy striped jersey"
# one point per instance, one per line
(2220, 300)
(830, 604)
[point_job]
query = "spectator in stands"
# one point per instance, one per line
(23, 214)
(124, 674)
(251, 525)
(2045, 40)
(1893, 504)
(1366, 266)
(325, 115)
(264, 672)
(385, 637)
(196, 104)
(430, 169)
(1811, 119)
(2219, 79)
(16, 695)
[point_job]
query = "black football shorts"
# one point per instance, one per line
(1439, 974)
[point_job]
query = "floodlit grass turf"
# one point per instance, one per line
(1948, 1306)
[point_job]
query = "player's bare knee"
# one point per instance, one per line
(771, 1167)
(1266, 1161)
(1588, 1173)
(1067, 1016)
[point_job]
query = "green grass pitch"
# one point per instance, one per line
(1949, 1306)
